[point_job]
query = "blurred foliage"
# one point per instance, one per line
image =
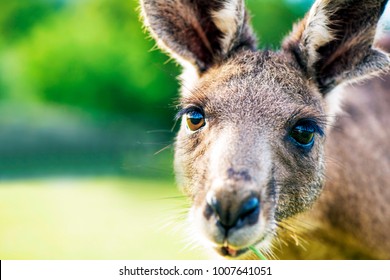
(17, 18)
(272, 20)
(85, 72)
(91, 54)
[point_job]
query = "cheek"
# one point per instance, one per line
(190, 162)
(293, 164)
(299, 179)
(182, 169)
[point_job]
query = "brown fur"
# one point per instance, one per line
(331, 198)
(351, 219)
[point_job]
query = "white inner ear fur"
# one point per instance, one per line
(229, 19)
(316, 32)
(188, 78)
(333, 101)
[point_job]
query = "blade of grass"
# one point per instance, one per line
(257, 253)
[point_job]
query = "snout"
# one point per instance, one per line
(233, 216)
(230, 218)
(234, 202)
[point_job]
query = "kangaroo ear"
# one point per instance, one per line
(201, 32)
(333, 43)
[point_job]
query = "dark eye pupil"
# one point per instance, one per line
(304, 135)
(195, 118)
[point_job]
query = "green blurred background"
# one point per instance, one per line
(86, 127)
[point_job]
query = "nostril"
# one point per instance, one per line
(230, 214)
(252, 204)
(249, 211)
(213, 205)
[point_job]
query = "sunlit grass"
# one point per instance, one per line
(92, 219)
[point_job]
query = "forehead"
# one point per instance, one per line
(263, 84)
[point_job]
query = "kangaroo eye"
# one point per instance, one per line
(195, 120)
(303, 133)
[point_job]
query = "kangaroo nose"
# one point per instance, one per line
(234, 214)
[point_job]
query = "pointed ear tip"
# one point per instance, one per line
(294, 37)
(198, 32)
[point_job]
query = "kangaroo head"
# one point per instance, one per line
(250, 151)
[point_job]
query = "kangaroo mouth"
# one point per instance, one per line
(229, 252)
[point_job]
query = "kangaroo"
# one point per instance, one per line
(287, 151)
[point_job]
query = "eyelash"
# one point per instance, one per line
(186, 110)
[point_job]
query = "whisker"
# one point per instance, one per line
(163, 149)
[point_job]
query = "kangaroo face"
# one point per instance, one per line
(244, 163)
(250, 151)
